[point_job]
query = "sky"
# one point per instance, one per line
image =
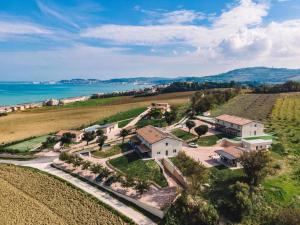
(64, 39)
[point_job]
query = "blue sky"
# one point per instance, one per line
(61, 39)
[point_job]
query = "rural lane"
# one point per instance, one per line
(44, 164)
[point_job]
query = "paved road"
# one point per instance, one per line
(43, 164)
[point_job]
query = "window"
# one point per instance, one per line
(174, 150)
(254, 132)
(255, 125)
(158, 153)
(167, 143)
(256, 147)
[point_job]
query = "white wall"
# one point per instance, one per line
(253, 129)
(167, 145)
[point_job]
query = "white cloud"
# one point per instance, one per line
(181, 17)
(54, 13)
(19, 28)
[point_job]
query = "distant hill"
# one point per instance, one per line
(254, 74)
(251, 74)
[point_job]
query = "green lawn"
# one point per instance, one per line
(132, 165)
(123, 123)
(209, 140)
(26, 146)
(153, 122)
(183, 134)
(265, 137)
(117, 149)
(123, 115)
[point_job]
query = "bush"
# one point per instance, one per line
(64, 156)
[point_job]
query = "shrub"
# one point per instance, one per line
(64, 156)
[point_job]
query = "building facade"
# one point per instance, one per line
(152, 142)
(237, 126)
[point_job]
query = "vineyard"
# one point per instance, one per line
(32, 197)
(285, 121)
(252, 106)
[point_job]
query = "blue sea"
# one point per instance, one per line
(12, 93)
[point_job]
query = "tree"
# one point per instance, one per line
(89, 136)
(67, 138)
(191, 210)
(101, 140)
(105, 173)
(156, 114)
(201, 130)
(96, 168)
(142, 186)
(256, 165)
(240, 203)
(171, 116)
(86, 165)
(190, 124)
(50, 142)
(99, 132)
(123, 134)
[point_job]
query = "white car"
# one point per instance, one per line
(193, 145)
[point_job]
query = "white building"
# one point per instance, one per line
(163, 107)
(238, 126)
(71, 100)
(256, 144)
(155, 143)
(107, 128)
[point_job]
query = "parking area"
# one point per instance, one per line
(203, 154)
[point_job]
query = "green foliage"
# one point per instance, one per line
(170, 117)
(209, 140)
(101, 140)
(285, 216)
(256, 166)
(96, 168)
(191, 210)
(86, 165)
(49, 143)
(142, 186)
(64, 156)
(67, 138)
(114, 150)
(201, 130)
(124, 133)
(289, 86)
(89, 136)
(206, 100)
(190, 124)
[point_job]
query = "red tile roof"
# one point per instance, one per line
(234, 119)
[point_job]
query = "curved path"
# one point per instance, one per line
(44, 164)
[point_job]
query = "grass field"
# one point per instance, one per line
(209, 140)
(123, 116)
(38, 122)
(252, 106)
(27, 145)
(183, 134)
(133, 166)
(117, 149)
(153, 122)
(32, 197)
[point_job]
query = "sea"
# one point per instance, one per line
(12, 93)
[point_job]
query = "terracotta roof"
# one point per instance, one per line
(230, 152)
(234, 119)
(76, 132)
(152, 134)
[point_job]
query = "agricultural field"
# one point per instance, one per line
(132, 165)
(32, 197)
(183, 134)
(38, 122)
(252, 106)
(27, 145)
(283, 188)
(117, 149)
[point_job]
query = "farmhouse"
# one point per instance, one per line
(78, 135)
(163, 107)
(238, 126)
(151, 141)
(107, 128)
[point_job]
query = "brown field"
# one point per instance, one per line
(32, 197)
(21, 125)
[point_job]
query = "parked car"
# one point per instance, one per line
(193, 145)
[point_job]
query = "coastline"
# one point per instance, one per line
(62, 92)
